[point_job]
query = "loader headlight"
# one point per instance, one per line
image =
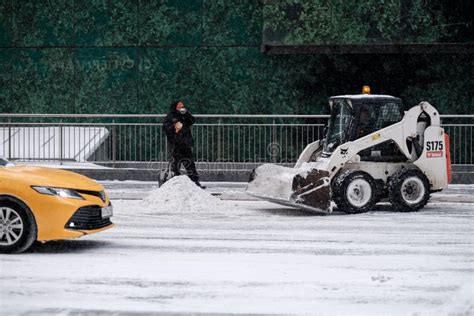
(65, 193)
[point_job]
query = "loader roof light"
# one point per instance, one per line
(365, 90)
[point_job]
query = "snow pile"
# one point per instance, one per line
(277, 181)
(235, 195)
(272, 180)
(181, 195)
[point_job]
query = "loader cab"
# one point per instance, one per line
(355, 116)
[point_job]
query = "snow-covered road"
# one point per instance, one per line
(254, 257)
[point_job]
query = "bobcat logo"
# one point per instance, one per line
(344, 152)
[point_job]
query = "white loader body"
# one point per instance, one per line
(291, 186)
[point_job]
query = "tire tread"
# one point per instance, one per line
(339, 188)
(395, 194)
(30, 229)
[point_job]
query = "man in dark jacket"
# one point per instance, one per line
(177, 126)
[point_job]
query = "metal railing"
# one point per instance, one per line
(113, 139)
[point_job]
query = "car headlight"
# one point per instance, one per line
(65, 193)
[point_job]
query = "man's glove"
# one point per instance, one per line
(178, 126)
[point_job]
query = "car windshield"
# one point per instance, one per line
(341, 116)
(5, 163)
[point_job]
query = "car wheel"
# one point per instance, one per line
(409, 190)
(355, 192)
(17, 227)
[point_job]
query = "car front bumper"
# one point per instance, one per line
(61, 218)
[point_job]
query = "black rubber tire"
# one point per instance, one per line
(30, 231)
(340, 185)
(395, 190)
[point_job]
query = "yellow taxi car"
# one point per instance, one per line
(48, 204)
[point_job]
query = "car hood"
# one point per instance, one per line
(41, 176)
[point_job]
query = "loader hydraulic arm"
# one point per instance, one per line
(398, 133)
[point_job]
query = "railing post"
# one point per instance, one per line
(274, 139)
(61, 140)
(219, 134)
(9, 138)
(114, 143)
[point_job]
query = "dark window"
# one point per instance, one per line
(390, 113)
(374, 116)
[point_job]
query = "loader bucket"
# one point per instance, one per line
(305, 188)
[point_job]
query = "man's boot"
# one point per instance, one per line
(200, 185)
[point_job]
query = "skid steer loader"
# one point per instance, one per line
(372, 150)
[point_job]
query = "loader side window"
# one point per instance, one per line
(379, 115)
(373, 116)
(390, 113)
(366, 122)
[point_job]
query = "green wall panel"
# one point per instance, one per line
(43, 23)
(5, 23)
(106, 23)
(232, 22)
(238, 79)
(445, 80)
(43, 80)
(229, 75)
(106, 80)
(136, 56)
(170, 22)
(292, 22)
(169, 74)
(5, 80)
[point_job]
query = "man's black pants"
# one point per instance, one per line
(184, 157)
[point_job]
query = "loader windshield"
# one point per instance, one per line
(341, 116)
